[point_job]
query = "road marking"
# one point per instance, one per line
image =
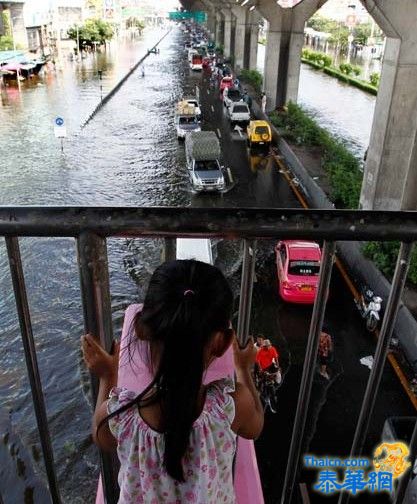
(208, 91)
(218, 133)
(212, 108)
(355, 293)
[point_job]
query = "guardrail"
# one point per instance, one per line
(91, 226)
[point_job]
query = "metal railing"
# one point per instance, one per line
(91, 226)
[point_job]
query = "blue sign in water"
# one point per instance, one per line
(59, 121)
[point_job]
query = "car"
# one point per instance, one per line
(226, 82)
(206, 62)
(259, 133)
(239, 113)
(231, 95)
(298, 268)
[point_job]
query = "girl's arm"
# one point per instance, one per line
(105, 367)
(249, 414)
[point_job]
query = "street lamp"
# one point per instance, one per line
(14, 49)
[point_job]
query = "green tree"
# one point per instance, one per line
(6, 43)
(361, 33)
(92, 32)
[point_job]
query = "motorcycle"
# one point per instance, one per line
(369, 307)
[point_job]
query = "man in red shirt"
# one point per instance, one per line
(267, 357)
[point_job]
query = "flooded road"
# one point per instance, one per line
(129, 155)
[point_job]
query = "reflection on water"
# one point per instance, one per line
(342, 109)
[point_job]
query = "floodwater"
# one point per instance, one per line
(129, 155)
(345, 111)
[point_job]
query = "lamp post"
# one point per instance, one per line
(14, 49)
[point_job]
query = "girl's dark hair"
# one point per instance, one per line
(186, 302)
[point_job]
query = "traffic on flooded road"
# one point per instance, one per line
(177, 135)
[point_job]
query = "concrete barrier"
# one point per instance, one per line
(361, 269)
(120, 83)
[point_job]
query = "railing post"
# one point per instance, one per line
(316, 324)
(169, 251)
(95, 293)
(246, 288)
(19, 287)
(381, 352)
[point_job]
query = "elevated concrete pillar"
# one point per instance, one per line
(211, 17)
(219, 29)
(285, 37)
(390, 176)
(251, 41)
(2, 28)
(18, 24)
(227, 14)
(239, 37)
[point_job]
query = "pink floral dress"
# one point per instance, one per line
(208, 463)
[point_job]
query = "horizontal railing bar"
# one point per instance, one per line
(231, 223)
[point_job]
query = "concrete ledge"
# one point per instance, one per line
(361, 269)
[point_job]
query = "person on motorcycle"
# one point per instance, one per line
(325, 353)
(267, 357)
(260, 338)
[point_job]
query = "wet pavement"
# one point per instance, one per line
(129, 155)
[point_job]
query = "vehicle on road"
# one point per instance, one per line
(191, 52)
(226, 82)
(196, 63)
(369, 306)
(207, 62)
(259, 133)
(238, 113)
(231, 95)
(203, 153)
(298, 267)
(186, 119)
(193, 101)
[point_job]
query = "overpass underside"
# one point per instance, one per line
(390, 175)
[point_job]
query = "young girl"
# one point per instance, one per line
(176, 440)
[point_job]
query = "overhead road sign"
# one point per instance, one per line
(197, 16)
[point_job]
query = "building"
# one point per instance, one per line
(344, 10)
(47, 25)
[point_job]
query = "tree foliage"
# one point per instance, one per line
(92, 32)
(6, 43)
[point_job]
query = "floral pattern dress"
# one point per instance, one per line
(208, 463)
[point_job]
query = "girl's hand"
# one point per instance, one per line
(244, 358)
(98, 361)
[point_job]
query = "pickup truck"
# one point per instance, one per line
(186, 119)
(192, 100)
(239, 113)
(202, 149)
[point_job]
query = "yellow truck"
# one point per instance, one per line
(259, 133)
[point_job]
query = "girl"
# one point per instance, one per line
(176, 440)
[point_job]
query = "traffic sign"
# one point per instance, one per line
(198, 16)
(59, 121)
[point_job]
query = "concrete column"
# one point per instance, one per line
(239, 39)
(227, 32)
(390, 176)
(219, 30)
(251, 41)
(2, 30)
(19, 30)
(284, 43)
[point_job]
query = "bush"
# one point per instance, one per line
(319, 58)
(341, 166)
(374, 79)
(346, 68)
(384, 255)
(357, 70)
(252, 77)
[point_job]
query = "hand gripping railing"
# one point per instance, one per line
(91, 226)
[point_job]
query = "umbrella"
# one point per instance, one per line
(12, 67)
